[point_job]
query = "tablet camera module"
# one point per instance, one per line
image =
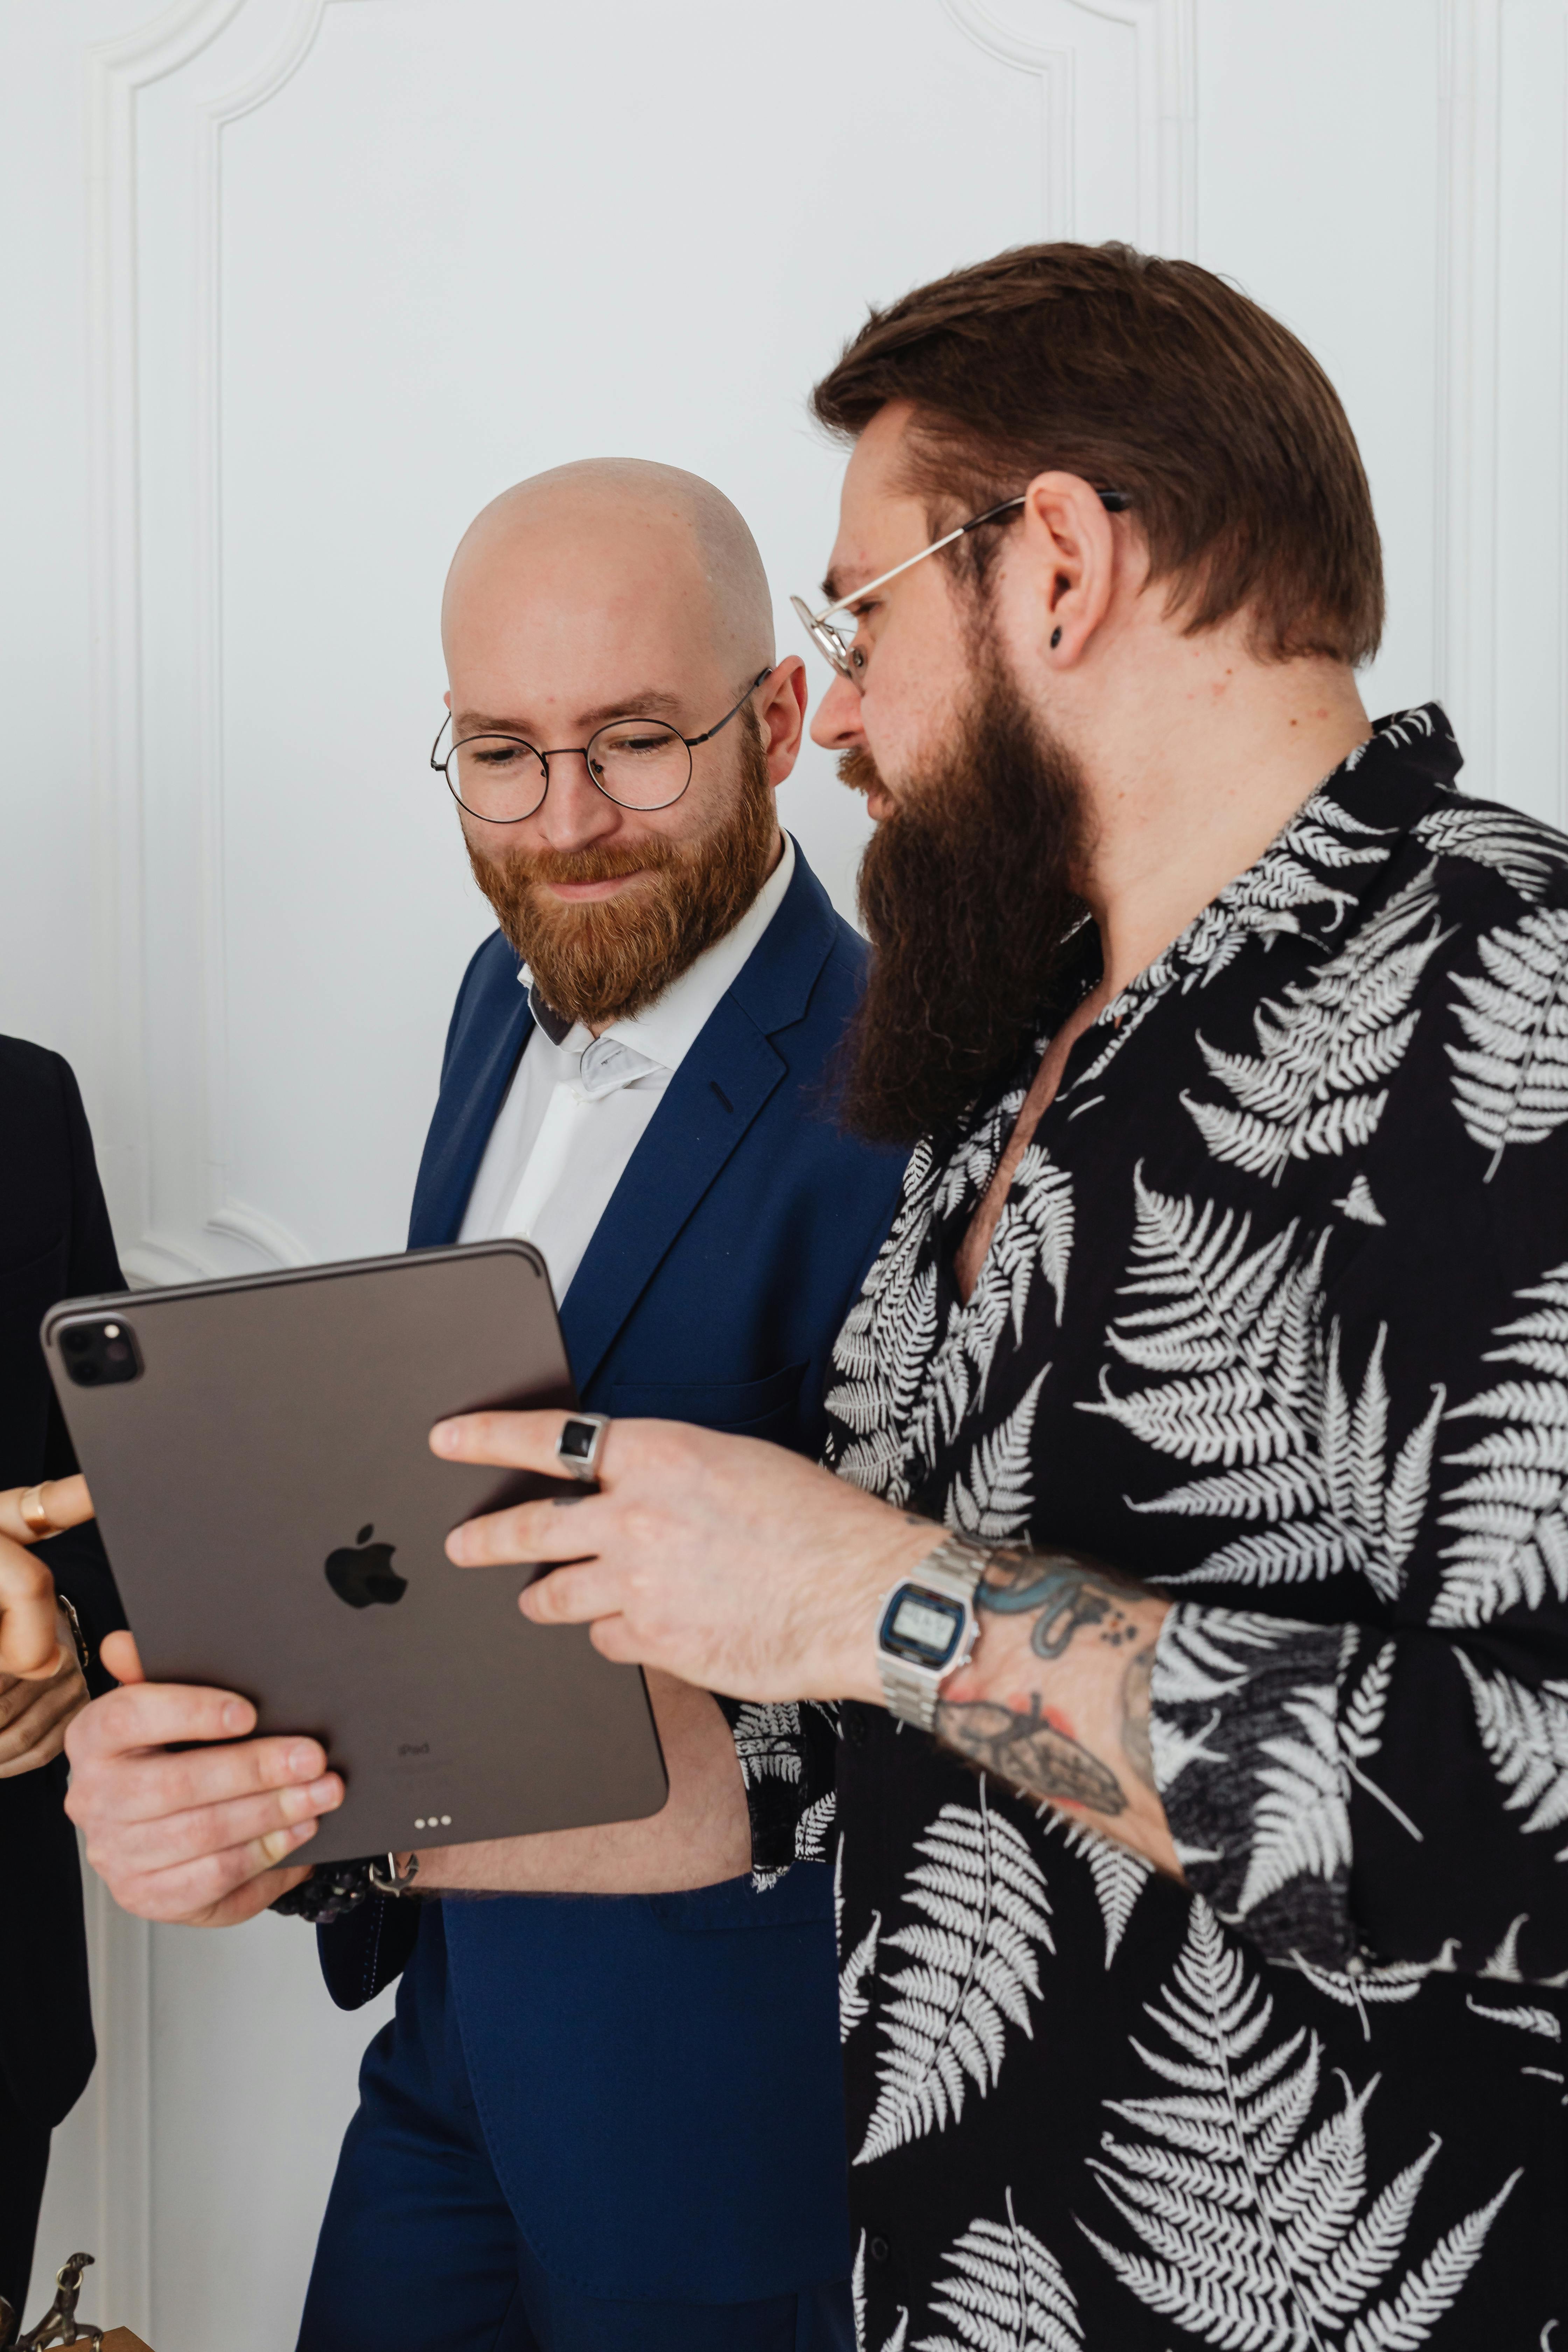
(98, 1354)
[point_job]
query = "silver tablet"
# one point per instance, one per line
(258, 1452)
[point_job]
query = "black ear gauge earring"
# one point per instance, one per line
(1056, 639)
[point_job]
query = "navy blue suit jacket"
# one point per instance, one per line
(658, 2075)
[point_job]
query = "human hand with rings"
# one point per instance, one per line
(724, 1561)
(41, 1682)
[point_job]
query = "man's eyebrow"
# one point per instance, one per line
(480, 722)
(650, 702)
(653, 701)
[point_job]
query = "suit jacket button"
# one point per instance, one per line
(878, 2250)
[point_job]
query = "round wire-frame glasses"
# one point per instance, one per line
(850, 660)
(638, 763)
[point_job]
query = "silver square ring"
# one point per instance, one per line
(580, 1445)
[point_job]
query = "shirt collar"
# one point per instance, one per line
(664, 1032)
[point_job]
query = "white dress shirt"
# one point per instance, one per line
(577, 1110)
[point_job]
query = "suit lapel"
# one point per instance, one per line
(472, 1092)
(708, 1108)
(709, 1105)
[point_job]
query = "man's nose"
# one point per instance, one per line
(574, 812)
(837, 726)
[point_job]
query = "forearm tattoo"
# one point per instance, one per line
(1061, 1594)
(1028, 1751)
(1068, 1600)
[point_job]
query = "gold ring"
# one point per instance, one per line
(34, 1517)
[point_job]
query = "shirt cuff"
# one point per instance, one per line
(1247, 1761)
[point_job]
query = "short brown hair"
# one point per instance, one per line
(1153, 377)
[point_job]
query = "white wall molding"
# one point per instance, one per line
(147, 1163)
(1465, 551)
(1500, 607)
(267, 1236)
(1165, 33)
(116, 72)
(1053, 70)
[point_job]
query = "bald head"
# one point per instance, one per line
(616, 591)
(620, 534)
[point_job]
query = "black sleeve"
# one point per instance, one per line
(76, 1559)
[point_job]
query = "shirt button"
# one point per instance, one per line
(878, 2250)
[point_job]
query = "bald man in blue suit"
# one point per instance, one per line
(620, 2110)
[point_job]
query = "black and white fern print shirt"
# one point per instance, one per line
(1276, 1318)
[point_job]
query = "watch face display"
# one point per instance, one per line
(924, 1628)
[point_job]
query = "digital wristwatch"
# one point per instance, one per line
(927, 1628)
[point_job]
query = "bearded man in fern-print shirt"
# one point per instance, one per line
(1202, 1976)
(1277, 1320)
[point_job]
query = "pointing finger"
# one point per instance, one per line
(511, 1441)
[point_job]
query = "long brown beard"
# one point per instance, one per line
(967, 896)
(603, 961)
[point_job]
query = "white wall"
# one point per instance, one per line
(289, 288)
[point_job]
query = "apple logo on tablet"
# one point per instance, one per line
(361, 1572)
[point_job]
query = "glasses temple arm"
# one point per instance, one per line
(843, 602)
(691, 742)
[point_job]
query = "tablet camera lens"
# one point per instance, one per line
(97, 1355)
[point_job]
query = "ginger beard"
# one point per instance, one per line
(967, 895)
(603, 959)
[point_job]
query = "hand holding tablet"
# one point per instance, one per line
(301, 1590)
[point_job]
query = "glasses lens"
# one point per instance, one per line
(639, 763)
(821, 636)
(497, 778)
(844, 632)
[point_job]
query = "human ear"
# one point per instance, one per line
(1068, 548)
(783, 716)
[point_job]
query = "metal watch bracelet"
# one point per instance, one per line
(953, 1571)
